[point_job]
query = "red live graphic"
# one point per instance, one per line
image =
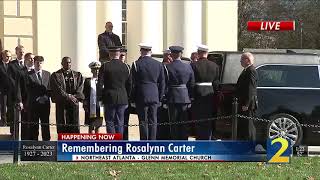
(97, 137)
(271, 26)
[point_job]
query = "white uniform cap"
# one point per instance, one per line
(145, 46)
(167, 51)
(95, 64)
(202, 47)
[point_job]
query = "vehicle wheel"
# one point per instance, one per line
(287, 127)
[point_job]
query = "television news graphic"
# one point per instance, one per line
(38, 150)
(301, 151)
(278, 150)
(88, 137)
(158, 151)
(271, 25)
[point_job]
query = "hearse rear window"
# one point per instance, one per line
(288, 76)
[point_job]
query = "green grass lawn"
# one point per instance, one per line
(300, 168)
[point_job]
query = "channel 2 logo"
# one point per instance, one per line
(278, 150)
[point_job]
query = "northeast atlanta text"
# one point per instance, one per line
(129, 148)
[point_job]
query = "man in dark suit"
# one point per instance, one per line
(114, 84)
(180, 87)
(6, 83)
(66, 91)
(106, 40)
(149, 85)
(38, 88)
(206, 75)
(18, 71)
(247, 95)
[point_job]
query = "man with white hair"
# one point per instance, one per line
(246, 91)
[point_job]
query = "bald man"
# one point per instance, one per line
(247, 97)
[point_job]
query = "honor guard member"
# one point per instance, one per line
(206, 75)
(247, 93)
(180, 86)
(149, 86)
(163, 112)
(93, 110)
(123, 58)
(114, 84)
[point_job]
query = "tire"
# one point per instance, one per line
(285, 126)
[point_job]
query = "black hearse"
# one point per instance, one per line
(288, 94)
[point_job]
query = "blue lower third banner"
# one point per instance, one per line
(196, 151)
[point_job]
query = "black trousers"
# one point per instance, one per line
(114, 116)
(25, 126)
(246, 129)
(126, 122)
(39, 112)
(163, 132)
(178, 113)
(203, 109)
(67, 118)
(147, 114)
(3, 109)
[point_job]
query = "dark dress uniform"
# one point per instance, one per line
(180, 86)
(105, 41)
(149, 85)
(90, 119)
(246, 91)
(114, 84)
(64, 83)
(38, 86)
(19, 73)
(163, 132)
(206, 75)
(127, 114)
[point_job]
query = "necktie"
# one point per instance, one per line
(39, 77)
(20, 63)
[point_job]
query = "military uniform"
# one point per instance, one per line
(206, 81)
(149, 85)
(114, 84)
(180, 86)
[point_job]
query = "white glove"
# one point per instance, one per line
(101, 104)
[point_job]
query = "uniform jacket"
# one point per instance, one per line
(205, 71)
(148, 80)
(180, 74)
(114, 82)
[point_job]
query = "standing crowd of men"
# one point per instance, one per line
(151, 85)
